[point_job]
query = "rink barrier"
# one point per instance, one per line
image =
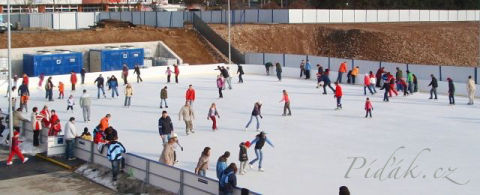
(153, 172)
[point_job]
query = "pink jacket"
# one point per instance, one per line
(220, 83)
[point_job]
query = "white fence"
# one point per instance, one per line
(152, 172)
(311, 16)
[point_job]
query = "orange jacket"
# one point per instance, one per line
(355, 71)
(343, 67)
(61, 87)
(103, 124)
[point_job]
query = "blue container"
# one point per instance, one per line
(114, 59)
(52, 63)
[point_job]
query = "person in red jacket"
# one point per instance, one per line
(125, 74)
(177, 72)
(379, 74)
(286, 107)
(190, 95)
(46, 117)
(53, 117)
(15, 149)
(341, 70)
(25, 80)
(338, 95)
(366, 84)
(391, 81)
(368, 108)
(55, 128)
(73, 79)
(403, 83)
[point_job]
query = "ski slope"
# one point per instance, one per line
(412, 145)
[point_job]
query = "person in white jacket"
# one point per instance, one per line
(70, 135)
(85, 103)
(186, 112)
(470, 90)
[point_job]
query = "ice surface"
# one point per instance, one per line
(313, 148)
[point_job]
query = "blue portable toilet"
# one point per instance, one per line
(52, 62)
(113, 58)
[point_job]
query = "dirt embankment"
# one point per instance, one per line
(415, 43)
(185, 42)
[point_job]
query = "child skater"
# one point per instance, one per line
(15, 149)
(338, 95)
(61, 90)
(70, 103)
(243, 158)
(368, 108)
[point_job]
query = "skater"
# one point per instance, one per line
(100, 86)
(212, 113)
(82, 75)
(85, 104)
(410, 82)
(286, 107)
(190, 95)
(240, 73)
(165, 127)
(434, 85)
(36, 120)
(386, 87)
(125, 74)
(367, 84)
(399, 77)
(338, 95)
(341, 70)
(222, 163)
(404, 86)
(163, 97)
(128, 95)
(259, 142)
(267, 67)
(354, 73)
(61, 90)
(137, 71)
(278, 69)
(70, 135)
(349, 77)
(220, 86)
(176, 70)
(415, 83)
(186, 112)
(24, 102)
(25, 80)
(319, 69)
(471, 90)
(49, 87)
(391, 80)
(368, 108)
(379, 74)
(343, 190)
(168, 157)
(86, 135)
(256, 112)
(302, 68)
(308, 68)
(23, 89)
(202, 165)
(15, 149)
(168, 72)
(114, 155)
(373, 81)
(73, 79)
(243, 158)
(227, 77)
(228, 181)
(326, 81)
(451, 91)
(174, 135)
(113, 85)
(40, 79)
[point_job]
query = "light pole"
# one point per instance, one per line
(9, 47)
(229, 35)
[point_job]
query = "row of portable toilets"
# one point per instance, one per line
(59, 62)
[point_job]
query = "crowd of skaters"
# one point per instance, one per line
(108, 137)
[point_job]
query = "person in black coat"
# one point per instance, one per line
(326, 81)
(451, 91)
(256, 112)
(240, 73)
(386, 87)
(228, 180)
(165, 127)
(82, 74)
(23, 89)
(100, 86)
(243, 158)
(434, 85)
(137, 71)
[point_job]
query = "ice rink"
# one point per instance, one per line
(412, 145)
